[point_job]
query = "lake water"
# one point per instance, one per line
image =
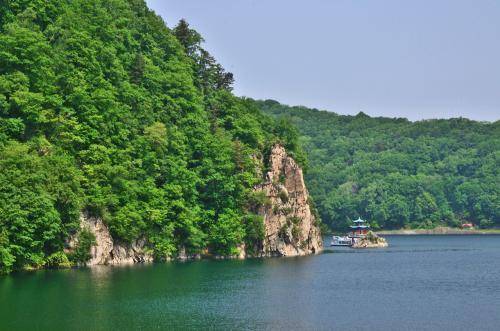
(418, 283)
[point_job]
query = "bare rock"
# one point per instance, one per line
(370, 241)
(241, 251)
(106, 250)
(183, 255)
(129, 254)
(290, 227)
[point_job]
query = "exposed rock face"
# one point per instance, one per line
(371, 241)
(106, 250)
(290, 227)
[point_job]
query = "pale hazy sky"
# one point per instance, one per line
(398, 58)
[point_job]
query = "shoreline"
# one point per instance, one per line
(438, 231)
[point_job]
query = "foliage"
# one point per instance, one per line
(210, 75)
(254, 231)
(283, 195)
(295, 232)
(58, 260)
(398, 173)
(105, 109)
(256, 199)
(85, 241)
(40, 199)
(227, 234)
(6, 258)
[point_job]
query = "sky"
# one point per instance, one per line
(418, 59)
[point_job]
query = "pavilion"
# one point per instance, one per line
(359, 229)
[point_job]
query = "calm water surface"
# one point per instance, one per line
(419, 283)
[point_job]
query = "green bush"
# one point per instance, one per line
(294, 220)
(226, 234)
(295, 232)
(7, 259)
(257, 199)
(58, 260)
(82, 254)
(283, 195)
(283, 232)
(254, 231)
(484, 223)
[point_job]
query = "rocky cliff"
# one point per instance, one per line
(290, 227)
(106, 250)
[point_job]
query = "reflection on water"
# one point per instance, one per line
(418, 283)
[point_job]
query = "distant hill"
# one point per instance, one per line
(398, 173)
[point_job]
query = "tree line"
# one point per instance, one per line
(397, 173)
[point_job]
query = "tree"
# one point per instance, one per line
(189, 38)
(138, 67)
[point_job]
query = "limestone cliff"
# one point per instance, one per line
(290, 227)
(106, 250)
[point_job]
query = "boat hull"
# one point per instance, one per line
(341, 241)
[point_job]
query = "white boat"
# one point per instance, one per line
(341, 241)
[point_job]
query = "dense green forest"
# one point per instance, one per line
(398, 173)
(103, 108)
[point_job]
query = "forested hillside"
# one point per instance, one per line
(104, 109)
(398, 173)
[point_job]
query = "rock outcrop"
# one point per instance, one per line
(371, 241)
(290, 227)
(106, 250)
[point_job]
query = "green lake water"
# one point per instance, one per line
(418, 283)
